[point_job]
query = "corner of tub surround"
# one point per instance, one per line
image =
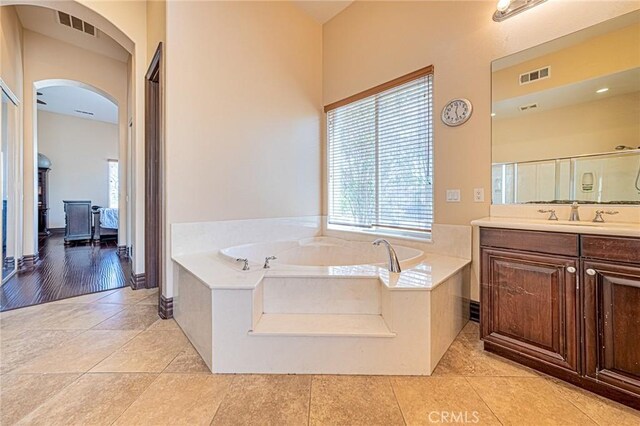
(198, 237)
(446, 240)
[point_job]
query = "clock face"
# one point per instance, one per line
(457, 112)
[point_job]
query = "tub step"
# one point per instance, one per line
(328, 325)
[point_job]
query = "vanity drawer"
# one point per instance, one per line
(534, 241)
(611, 248)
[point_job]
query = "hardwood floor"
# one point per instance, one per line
(66, 272)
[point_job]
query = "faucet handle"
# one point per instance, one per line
(552, 213)
(266, 261)
(245, 267)
(599, 213)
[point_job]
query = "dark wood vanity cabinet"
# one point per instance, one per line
(531, 305)
(565, 304)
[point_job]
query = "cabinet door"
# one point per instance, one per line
(529, 305)
(612, 324)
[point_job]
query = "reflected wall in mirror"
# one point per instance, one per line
(8, 133)
(566, 118)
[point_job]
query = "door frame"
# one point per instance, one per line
(154, 178)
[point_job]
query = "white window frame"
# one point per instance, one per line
(421, 236)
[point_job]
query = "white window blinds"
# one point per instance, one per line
(380, 159)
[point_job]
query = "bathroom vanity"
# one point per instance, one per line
(559, 256)
(566, 303)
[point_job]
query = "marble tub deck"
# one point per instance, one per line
(106, 358)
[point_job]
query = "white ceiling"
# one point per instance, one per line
(70, 99)
(571, 94)
(45, 21)
(566, 41)
(322, 10)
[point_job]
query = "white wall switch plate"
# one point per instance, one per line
(453, 195)
(478, 195)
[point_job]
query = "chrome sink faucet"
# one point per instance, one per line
(574, 216)
(394, 264)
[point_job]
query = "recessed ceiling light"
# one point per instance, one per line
(604, 89)
(493, 114)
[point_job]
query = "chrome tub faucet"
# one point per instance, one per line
(394, 264)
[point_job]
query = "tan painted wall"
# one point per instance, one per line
(12, 75)
(11, 50)
(44, 59)
(156, 25)
(568, 131)
(78, 149)
(373, 42)
(605, 54)
(243, 111)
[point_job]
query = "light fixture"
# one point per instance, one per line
(493, 114)
(508, 8)
(604, 89)
(503, 5)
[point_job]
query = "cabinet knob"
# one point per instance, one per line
(571, 269)
(591, 272)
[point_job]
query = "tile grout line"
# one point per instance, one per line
(548, 379)
(393, 390)
(466, 379)
(226, 394)
(138, 397)
(50, 397)
(310, 393)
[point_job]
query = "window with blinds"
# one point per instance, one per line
(380, 159)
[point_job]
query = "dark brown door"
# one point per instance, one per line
(529, 305)
(612, 324)
(153, 164)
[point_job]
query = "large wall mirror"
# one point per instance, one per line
(566, 118)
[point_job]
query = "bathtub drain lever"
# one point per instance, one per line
(266, 261)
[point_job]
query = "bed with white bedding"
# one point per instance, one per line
(105, 223)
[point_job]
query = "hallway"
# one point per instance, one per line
(66, 272)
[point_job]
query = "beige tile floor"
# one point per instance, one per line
(107, 359)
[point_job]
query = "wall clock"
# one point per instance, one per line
(457, 112)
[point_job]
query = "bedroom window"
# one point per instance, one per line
(113, 184)
(380, 158)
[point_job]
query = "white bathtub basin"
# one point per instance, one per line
(320, 251)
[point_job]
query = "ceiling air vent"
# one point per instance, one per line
(528, 107)
(76, 23)
(79, 111)
(535, 75)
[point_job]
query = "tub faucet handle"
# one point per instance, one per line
(266, 261)
(245, 267)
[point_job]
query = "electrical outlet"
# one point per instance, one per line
(478, 195)
(453, 195)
